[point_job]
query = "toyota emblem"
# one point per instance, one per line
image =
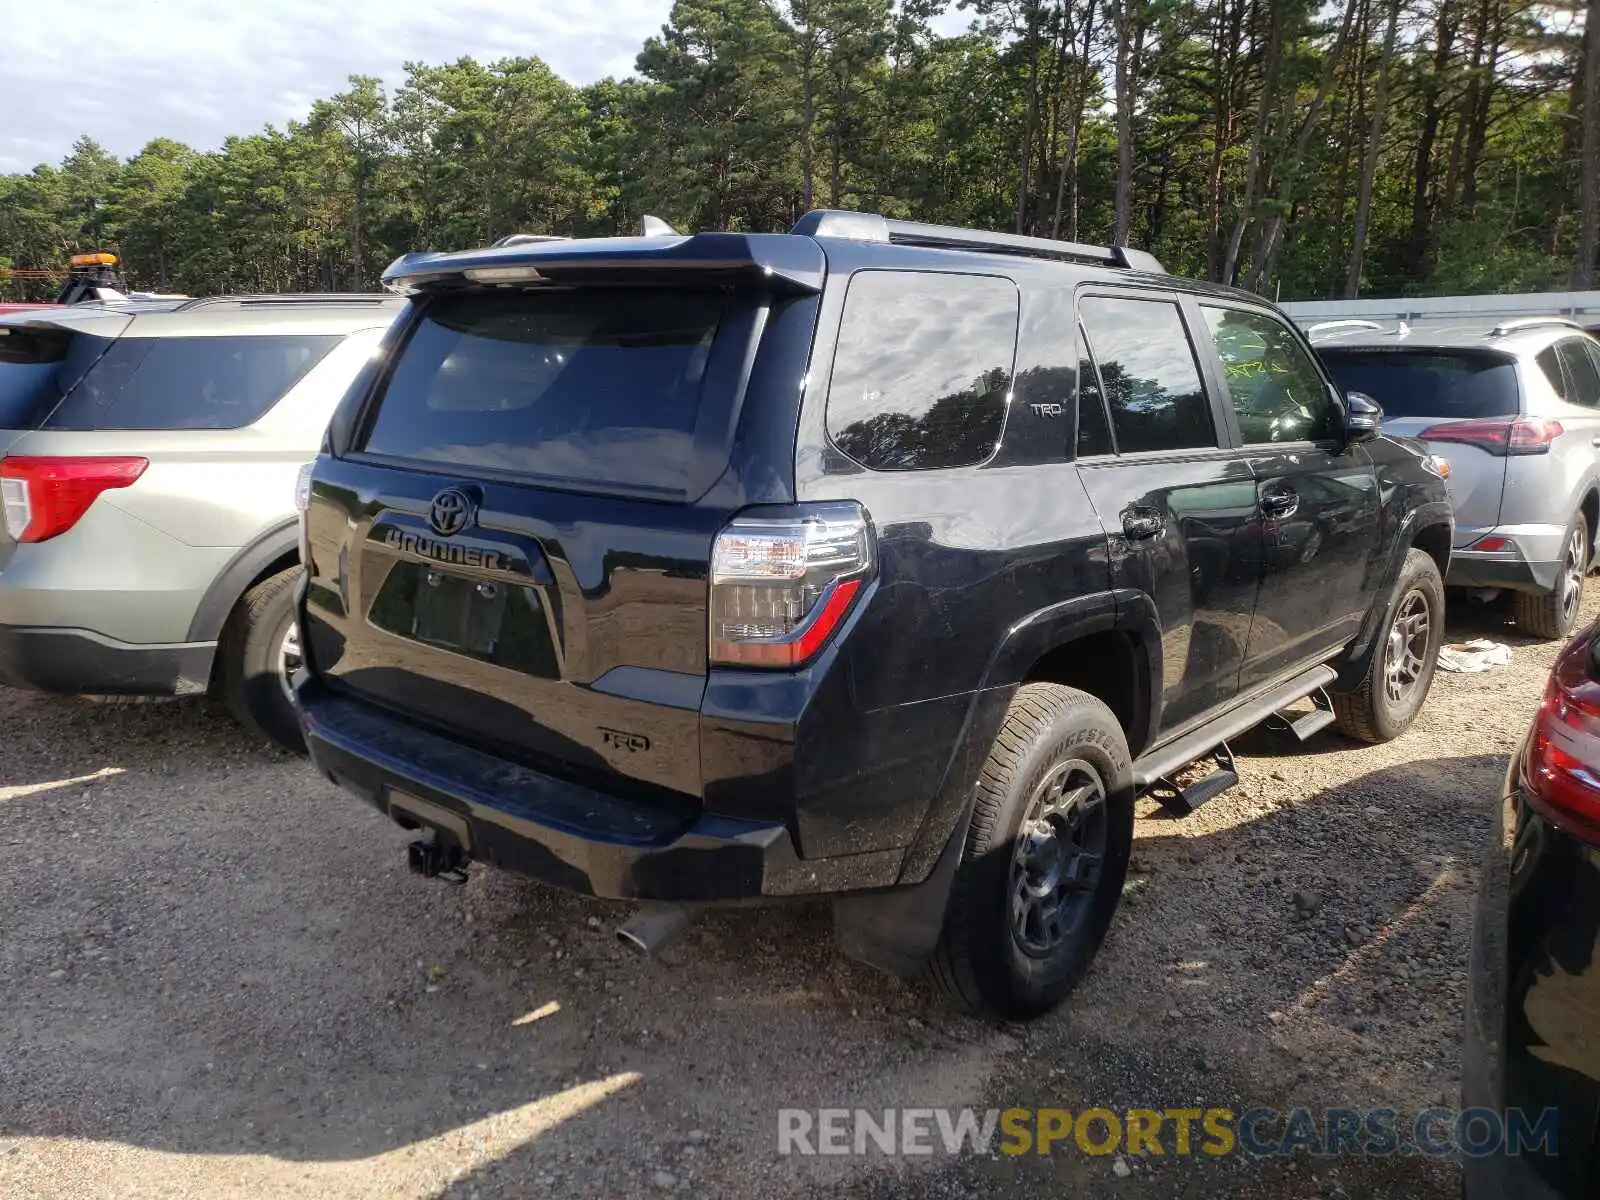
(451, 512)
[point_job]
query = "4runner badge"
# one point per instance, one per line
(452, 511)
(446, 552)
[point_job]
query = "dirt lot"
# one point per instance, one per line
(217, 979)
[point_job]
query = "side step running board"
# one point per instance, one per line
(1303, 726)
(1153, 767)
(1181, 801)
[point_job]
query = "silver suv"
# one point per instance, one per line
(150, 454)
(1516, 410)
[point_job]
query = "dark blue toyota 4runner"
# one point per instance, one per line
(877, 560)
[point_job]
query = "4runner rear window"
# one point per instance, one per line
(922, 369)
(189, 382)
(1429, 383)
(600, 386)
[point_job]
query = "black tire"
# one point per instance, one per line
(1554, 614)
(1372, 711)
(251, 664)
(982, 960)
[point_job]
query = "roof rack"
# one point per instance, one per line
(292, 298)
(870, 227)
(1520, 323)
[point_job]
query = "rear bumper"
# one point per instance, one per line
(80, 661)
(1529, 562)
(554, 830)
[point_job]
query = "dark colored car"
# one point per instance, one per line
(1533, 1018)
(878, 560)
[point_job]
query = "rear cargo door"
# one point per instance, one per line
(516, 548)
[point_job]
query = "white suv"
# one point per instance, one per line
(150, 451)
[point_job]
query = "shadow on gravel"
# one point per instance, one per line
(215, 953)
(212, 952)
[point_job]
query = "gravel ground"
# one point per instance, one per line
(218, 979)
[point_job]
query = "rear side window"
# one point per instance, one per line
(189, 382)
(1428, 383)
(1550, 365)
(1094, 434)
(923, 369)
(37, 366)
(599, 386)
(1583, 379)
(1149, 374)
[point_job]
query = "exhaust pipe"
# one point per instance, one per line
(654, 927)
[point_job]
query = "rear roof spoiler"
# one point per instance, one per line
(791, 264)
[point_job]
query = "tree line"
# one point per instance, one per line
(1301, 148)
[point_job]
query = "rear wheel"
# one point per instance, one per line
(1046, 854)
(1554, 614)
(260, 651)
(1401, 670)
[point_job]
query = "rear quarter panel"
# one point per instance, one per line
(964, 556)
(1546, 489)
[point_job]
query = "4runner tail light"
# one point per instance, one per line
(45, 496)
(781, 585)
(1501, 436)
(1561, 761)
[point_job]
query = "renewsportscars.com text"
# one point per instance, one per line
(1260, 1132)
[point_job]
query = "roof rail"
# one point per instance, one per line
(291, 298)
(870, 227)
(1520, 323)
(1350, 323)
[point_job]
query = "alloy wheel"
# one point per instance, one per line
(1059, 853)
(1405, 658)
(289, 659)
(1573, 566)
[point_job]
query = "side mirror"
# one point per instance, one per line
(1363, 417)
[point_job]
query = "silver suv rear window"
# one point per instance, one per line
(599, 386)
(1429, 383)
(37, 367)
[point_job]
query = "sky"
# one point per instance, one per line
(126, 71)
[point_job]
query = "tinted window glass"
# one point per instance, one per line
(36, 367)
(1094, 434)
(595, 386)
(188, 382)
(1428, 383)
(1582, 377)
(1152, 383)
(1550, 363)
(1278, 395)
(922, 370)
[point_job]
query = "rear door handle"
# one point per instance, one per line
(1279, 503)
(1140, 523)
(1594, 441)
